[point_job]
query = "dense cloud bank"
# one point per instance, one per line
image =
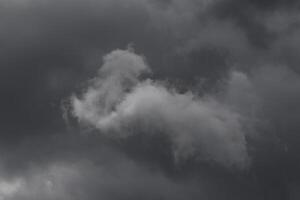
(202, 104)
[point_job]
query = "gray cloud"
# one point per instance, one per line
(231, 66)
(204, 127)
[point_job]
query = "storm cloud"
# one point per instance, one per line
(149, 99)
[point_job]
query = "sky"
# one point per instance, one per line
(149, 99)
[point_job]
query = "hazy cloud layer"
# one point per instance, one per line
(216, 116)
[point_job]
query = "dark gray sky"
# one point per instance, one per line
(149, 99)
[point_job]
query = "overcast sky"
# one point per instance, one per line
(149, 99)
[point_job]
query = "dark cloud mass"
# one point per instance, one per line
(149, 99)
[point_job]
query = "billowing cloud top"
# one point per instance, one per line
(116, 102)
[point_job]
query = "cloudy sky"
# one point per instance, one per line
(149, 99)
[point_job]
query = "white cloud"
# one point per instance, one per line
(207, 128)
(9, 188)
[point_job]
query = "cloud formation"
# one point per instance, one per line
(118, 103)
(222, 93)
